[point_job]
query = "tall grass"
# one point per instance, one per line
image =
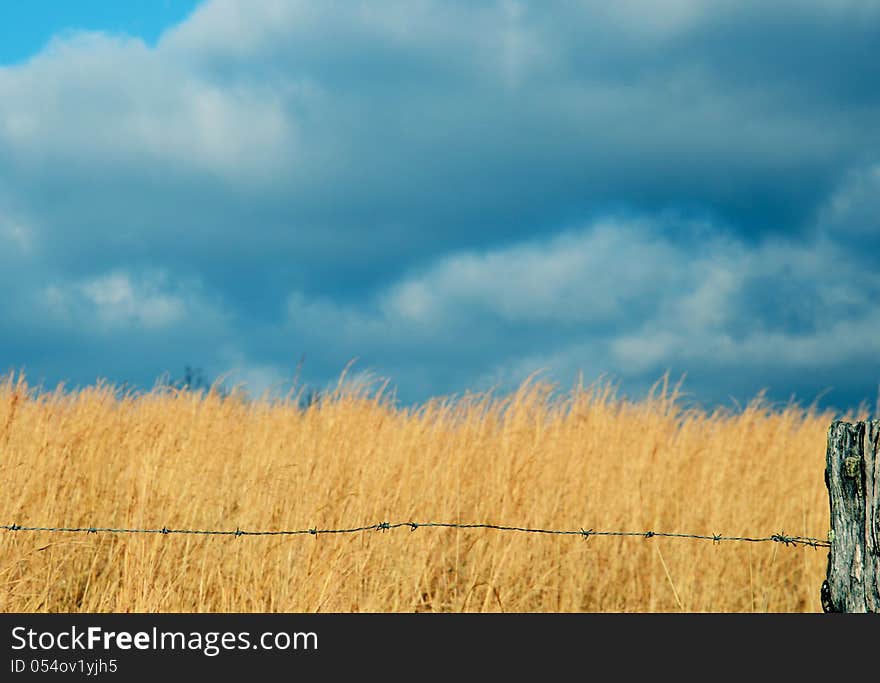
(535, 458)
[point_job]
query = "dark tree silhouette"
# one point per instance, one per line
(194, 379)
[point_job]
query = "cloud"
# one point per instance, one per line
(450, 191)
(15, 235)
(613, 298)
(114, 300)
(853, 211)
(91, 100)
(565, 279)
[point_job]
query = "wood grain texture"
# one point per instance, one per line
(852, 475)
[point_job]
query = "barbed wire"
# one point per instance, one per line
(780, 537)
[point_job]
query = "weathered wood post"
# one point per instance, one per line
(852, 475)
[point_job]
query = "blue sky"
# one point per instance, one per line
(27, 26)
(456, 194)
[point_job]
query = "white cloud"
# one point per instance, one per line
(589, 277)
(93, 98)
(117, 300)
(614, 297)
(236, 28)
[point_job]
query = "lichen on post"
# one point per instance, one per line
(852, 475)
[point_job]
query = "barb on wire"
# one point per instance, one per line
(781, 537)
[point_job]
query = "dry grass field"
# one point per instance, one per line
(536, 458)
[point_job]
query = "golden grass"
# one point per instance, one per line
(583, 459)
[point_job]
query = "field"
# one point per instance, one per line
(538, 458)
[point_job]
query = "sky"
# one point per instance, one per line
(450, 195)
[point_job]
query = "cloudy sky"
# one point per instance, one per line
(456, 194)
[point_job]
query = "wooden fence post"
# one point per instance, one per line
(852, 475)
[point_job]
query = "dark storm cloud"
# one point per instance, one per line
(454, 193)
(615, 298)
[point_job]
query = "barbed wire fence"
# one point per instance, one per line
(585, 534)
(852, 581)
